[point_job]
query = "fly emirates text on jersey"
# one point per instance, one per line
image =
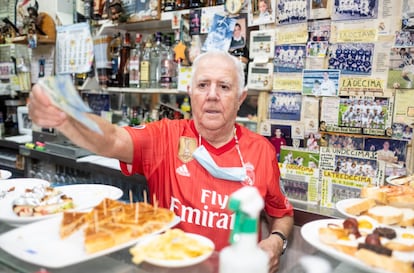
(206, 217)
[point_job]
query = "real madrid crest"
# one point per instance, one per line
(186, 148)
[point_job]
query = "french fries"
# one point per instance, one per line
(174, 244)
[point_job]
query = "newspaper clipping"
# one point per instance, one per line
(299, 174)
(344, 172)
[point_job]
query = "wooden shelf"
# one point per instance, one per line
(41, 39)
(143, 90)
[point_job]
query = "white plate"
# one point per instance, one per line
(184, 262)
(15, 187)
(39, 243)
(309, 232)
(391, 180)
(5, 174)
(343, 204)
(84, 196)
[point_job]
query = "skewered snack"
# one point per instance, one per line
(112, 222)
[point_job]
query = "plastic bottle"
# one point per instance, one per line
(145, 65)
(155, 61)
(244, 254)
(167, 66)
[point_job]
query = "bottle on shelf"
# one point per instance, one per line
(145, 65)
(168, 67)
(123, 73)
(114, 51)
(125, 121)
(134, 61)
(155, 69)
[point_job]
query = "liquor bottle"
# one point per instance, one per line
(123, 73)
(114, 50)
(155, 58)
(144, 67)
(168, 68)
(133, 63)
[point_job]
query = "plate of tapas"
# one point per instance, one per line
(29, 200)
(78, 236)
(364, 243)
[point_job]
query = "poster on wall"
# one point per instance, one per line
(292, 12)
(403, 115)
(401, 68)
(355, 9)
(285, 105)
(344, 172)
(358, 115)
(261, 12)
(352, 163)
(319, 9)
(347, 142)
(322, 82)
(365, 112)
(289, 58)
(300, 174)
(352, 58)
(393, 152)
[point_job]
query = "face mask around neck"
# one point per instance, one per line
(203, 157)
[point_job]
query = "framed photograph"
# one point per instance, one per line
(285, 105)
(289, 58)
(354, 10)
(261, 12)
(322, 82)
(391, 151)
(401, 69)
(23, 120)
(292, 12)
(347, 142)
(364, 112)
(352, 58)
(143, 10)
(239, 38)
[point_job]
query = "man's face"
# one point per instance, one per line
(237, 32)
(214, 94)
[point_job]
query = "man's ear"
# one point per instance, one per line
(242, 97)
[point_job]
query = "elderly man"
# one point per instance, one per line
(193, 166)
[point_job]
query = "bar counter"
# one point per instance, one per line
(120, 261)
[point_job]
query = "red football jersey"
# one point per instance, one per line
(163, 154)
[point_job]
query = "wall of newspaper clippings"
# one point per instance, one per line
(340, 112)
